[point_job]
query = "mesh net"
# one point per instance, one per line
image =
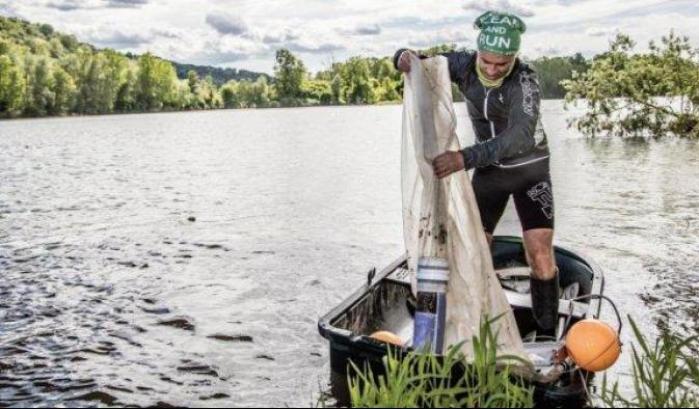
(441, 218)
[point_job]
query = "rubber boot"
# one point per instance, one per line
(545, 305)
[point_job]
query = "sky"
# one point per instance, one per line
(245, 34)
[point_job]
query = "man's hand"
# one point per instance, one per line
(404, 61)
(448, 163)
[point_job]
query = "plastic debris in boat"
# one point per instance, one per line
(387, 337)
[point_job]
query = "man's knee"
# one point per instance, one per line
(542, 262)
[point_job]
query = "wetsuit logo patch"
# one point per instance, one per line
(526, 80)
(541, 193)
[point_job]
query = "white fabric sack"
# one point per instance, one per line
(441, 218)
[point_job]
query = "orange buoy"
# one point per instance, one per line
(387, 337)
(593, 345)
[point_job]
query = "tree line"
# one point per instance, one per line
(46, 73)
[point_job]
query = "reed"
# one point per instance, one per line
(665, 374)
(423, 380)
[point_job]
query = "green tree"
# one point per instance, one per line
(336, 89)
(12, 87)
(192, 81)
(290, 73)
(621, 90)
(260, 97)
(69, 42)
(318, 91)
(247, 94)
(40, 98)
(46, 30)
(552, 71)
(89, 87)
(5, 47)
(125, 99)
(63, 91)
(357, 80)
(229, 94)
(156, 83)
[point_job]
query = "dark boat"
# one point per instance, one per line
(384, 303)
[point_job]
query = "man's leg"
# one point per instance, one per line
(538, 244)
(492, 195)
(534, 203)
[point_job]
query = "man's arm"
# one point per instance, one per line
(518, 138)
(458, 62)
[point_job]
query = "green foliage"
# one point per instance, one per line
(621, 90)
(247, 94)
(664, 374)
(423, 380)
(318, 91)
(43, 72)
(125, 97)
(438, 49)
(359, 87)
(220, 75)
(193, 81)
(156, 83)
(64, 92)
(290, 73)
(360, 81)
(39, 96)
(553, 71)
(12, 85)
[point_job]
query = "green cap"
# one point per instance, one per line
(500, 32)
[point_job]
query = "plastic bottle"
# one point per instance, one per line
(431, 311)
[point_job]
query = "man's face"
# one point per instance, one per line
(494, 66)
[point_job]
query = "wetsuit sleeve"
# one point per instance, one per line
(458, 62)
(518, 137)
(400, 51)
(396, 56)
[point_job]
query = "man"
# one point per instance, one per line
(511, 156)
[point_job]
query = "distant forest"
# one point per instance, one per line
(219, 76)
(47, 73)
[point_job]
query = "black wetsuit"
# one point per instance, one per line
(511, 156)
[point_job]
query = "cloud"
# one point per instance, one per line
(360, 30)
(279, 36)
(246, 33)
(227, 24)
(315, 48)
(167, 33)
(72, 5)
(67, 5)
(457, 36)
(548, 51)
(117, 39)
(218, 58)
(368, 30)
(126, 3)
(7, 9)
(218, 50)
(601, 31)
(498, 5)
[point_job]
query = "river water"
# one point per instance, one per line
(185, 258)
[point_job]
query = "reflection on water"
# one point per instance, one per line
(184, 259)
